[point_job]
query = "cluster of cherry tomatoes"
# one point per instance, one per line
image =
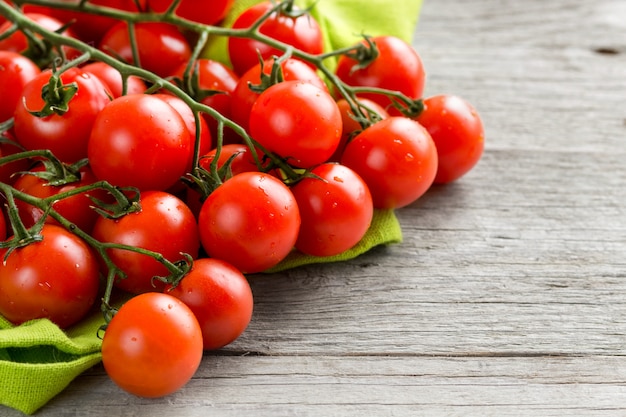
(222, 173)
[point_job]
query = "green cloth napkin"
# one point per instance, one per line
(38, 360)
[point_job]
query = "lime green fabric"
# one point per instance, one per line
(38, 360)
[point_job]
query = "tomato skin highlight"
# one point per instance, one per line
(152, 346)
(56, 278)
(336, 210)
(220, 297)
(458, 133)
(396, 158)
(298, 121)
(250, 221)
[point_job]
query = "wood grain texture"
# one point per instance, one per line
(507, 296)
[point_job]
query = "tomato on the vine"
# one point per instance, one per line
(295, 27)
(141, 141)
(298, 121)
(77, 208)
(246, 93)
(397, 67)
(215, 85)
(152, 346)
(64, 132)
(219, 296)
(336, 209)
(164, 224)
(56, 278)
(16, 71)
(458, 133)
(251, 221)
(161, 46)
(396, 158)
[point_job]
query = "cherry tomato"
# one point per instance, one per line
(298, 121)
(76, 209)
(162, 47)
(458, 133)
(196, 10)
(371, 111)
(151, 153)
(302, 32)
(18, 42)
(164, 225)
(218, 78)
(113, 79)
(251, 221)
(15, 72)
(398, 67)
(152, 346)
(336, 210)
(220, 297)
(396, 158)
(56, 278)
(65, 134)
(243, 96)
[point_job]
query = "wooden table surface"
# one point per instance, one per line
(507, 296)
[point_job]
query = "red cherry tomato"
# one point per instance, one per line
(458, 133)
(302, 32)
(243, 96)
(162, 47)
(56, 278)
(151, 153)
(398, 67)
(220, 297)
(152, 346)
(396, 158)
(251, 221)
(298, 121)
(164, 225)
(65, 134)
(336, 210)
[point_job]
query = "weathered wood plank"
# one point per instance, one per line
(346, 386)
